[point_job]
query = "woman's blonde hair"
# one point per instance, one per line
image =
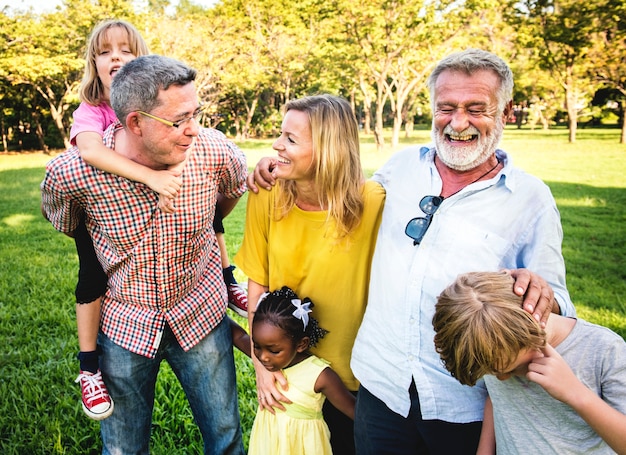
(481, 327)
(91, 89)
(336, 153)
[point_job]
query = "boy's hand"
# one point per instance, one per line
(550, 371)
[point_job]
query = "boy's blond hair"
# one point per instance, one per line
(481, 327)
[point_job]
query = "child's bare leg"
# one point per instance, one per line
(221, 242)
(87, 324)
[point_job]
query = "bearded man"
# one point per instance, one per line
(451, 208)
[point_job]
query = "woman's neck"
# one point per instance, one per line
(307, 197)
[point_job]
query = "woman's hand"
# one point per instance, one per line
(268, 393)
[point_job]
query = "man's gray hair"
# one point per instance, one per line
(470, 61)
(136, 85)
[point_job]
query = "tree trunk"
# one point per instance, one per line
(250, 115)
(622, 138)
(408, 127)
(379, 130)
(5, 140)
(57, 111)
(572, 112)
(39, 132)
(367, 118)
(573, 125)
(379, 126)
(287, 90)
(397, 126)
(237, 125)
(367, 106)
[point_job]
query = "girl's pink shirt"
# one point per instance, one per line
(91, 118)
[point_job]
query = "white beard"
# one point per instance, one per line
(466, 157)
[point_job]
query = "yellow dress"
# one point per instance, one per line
(300, 429)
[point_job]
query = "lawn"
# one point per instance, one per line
(39, 404)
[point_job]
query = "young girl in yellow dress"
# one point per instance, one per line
(283, 330)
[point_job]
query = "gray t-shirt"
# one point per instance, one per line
(528, 420)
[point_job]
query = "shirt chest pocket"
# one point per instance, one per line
(472, 241)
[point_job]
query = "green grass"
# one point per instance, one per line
(588, 180)
(39, 403)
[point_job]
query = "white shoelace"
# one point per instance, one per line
(94, 385)
(236, 290)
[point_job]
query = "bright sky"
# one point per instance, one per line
(42, 6)
(39, 5)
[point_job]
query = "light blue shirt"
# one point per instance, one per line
(509, 221)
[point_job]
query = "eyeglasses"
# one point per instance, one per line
(417, 227)
(196, 115)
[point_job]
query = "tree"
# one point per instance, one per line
(27, 61)
(609, 53)
(563, 33)
(397, 41)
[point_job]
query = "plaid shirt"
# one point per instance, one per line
(161, 267)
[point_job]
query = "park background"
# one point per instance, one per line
(252, 56)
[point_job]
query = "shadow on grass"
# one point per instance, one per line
(593, 220)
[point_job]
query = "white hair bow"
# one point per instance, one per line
(262, 297)
(302, 311)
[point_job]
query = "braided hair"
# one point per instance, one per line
(281, 309)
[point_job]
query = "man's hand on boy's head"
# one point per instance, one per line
(538, 295)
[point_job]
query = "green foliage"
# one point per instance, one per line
(253, 55)
(573, 40)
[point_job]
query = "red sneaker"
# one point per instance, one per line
(97, 403)
(237, 299)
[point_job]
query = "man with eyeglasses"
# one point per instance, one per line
(166, 297)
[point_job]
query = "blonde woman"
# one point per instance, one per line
(315, 232)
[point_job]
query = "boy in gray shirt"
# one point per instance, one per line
(557, 390)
